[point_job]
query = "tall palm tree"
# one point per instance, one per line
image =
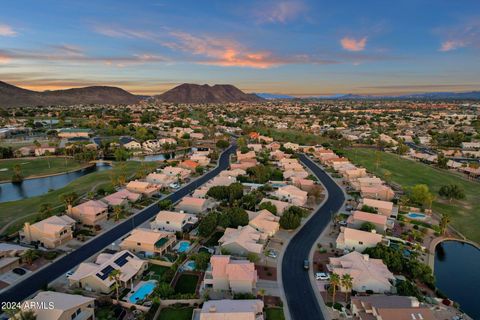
(26, 315)
(69, 198)
(347, 283)
(444, 221)
(29, 256)
(334, 283)
(115, 276)
(117, 211)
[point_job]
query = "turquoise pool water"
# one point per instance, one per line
(416, 215)
(142, 292)
(190, 265)
(183, 246)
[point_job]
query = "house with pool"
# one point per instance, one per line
(385, 208)
(359, 218)
(95, 276)
(173, 221)
(149, 242)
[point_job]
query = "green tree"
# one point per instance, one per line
(347, 283)
(30, 255)
(289, 221)
(452, 191)
(164, 291)
(367, 226)
(442, 161)
(238, 217)
(421, 195)
(121, 154)
(335, 281)
(69, 198)
(222, 144)
(444, 222)
(201, 260)
(267, 205)
(115, 277)
(17, 176)
(208, 224)
(45, 210)
(253, 257)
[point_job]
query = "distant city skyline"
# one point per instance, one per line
(294, 47)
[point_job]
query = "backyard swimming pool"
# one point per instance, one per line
(416, 215)
(183, 246)
(144, 289)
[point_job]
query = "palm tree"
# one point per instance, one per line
(118, 212)
(69, 198)
(444, 221)
(46, 210)
(29, 256)
(115, 276)
(334, 283)
(26, 315)
(17, 174)
(347, 283)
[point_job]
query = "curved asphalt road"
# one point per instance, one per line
(301, 299)
(40, 279)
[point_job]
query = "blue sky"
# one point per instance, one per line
(296, 47)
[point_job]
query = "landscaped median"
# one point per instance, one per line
(465, 214)
(28, 209)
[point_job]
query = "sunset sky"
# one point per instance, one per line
(296, 47)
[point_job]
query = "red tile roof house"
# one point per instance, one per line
(161, 179)
(357, 240)
(89, 213)
(358, 218)
(194, 205)
(265, 222)
(227, 275)
(244, 165)
(176, 172)
(230, 309)
(245, 156)
(379, 192)
(189, 164)
(304, 184)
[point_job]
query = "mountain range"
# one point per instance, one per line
(195, 93)
(12, 96)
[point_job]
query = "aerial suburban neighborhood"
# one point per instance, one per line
(182, 201)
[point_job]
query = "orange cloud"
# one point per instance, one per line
(7, 31)
(221, 52)
(352, 44)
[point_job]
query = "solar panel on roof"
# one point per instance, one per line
(122, 260)
(105, 272)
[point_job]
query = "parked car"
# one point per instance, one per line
(342, 223)
(174, 185)
(306, 264)
(69, 273)
(322, 276)
(19, 271)
(272, 254)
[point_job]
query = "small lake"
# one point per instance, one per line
(161, 156)
(38, 186)
(457, 272)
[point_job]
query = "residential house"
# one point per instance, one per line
(359, 218)
(232, 173)
(235, 276)
(201, 159)
(42, 151)
(173, 221)
(292, 146)
(231, 310)
(357, 240)
(367, 273)
(121, 198)
(74, 133)
(189, 165)
(10, 256)
(292, 194)
(379, 192)
(52, 305)
(194, 205)
(177, 172)
(160, 179)
(89, 213)
(95, 276)
(383, 207)
(50, 232)
(280, 205)
(151, 242)
(241, 241)
(265, 222)
(382, 307)
(145, 188)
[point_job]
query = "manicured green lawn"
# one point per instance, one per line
(465, 214)
(14, 209)
(159, 270)
(290, 135)
(171, 313)
(274, 314)
(187, 283)
(38, 167)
